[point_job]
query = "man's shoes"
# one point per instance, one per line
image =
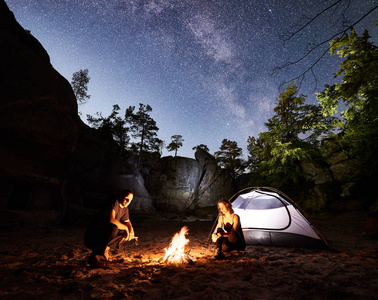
(106, 253)
(95, 262)
(219, 256)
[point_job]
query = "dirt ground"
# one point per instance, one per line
(42, 263)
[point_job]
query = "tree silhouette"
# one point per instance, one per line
(175, 144)
(317, 49)
(143, 127)
(229, 158)
(201, 147)
(113, 124)
(79, 85)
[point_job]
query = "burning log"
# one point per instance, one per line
(175, 254)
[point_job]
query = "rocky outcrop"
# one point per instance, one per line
(215, 182)
(99, 174)
(331, 182)
(173, 183)
(50, 160)
(180, 184)
(39, 124)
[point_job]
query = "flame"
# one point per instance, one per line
(175, 254)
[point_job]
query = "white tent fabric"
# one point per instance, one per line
(269, 218)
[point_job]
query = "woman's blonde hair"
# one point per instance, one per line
(227, 204)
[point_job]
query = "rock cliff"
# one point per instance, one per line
(181, 184)
(51, 161)
(39, 124)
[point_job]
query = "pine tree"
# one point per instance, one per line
(143, 127)
(175, 144)
(229, 158)
(113, 124)
(79, 85)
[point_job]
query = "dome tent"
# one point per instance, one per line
(269, 217)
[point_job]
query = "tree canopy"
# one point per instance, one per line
(175, 144)
(113, 124)
(79, 85)
(143, 127)
(358, 91)
(229, 158)
(293, 133)
(201, 147)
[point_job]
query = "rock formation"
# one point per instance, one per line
(332, 181)
(99, 174)
(180, 184)
(173, 183)
(39, 124)
(51, 161)
(215, 182)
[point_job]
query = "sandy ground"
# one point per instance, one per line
(51, 264)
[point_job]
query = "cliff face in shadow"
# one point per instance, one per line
(51, 162)
(39, 125)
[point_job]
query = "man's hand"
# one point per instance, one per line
(131, 235)
(214, 237)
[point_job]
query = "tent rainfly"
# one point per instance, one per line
(269, 217)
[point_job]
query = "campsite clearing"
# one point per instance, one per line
(51, 264)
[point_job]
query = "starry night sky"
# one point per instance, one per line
(203, 66)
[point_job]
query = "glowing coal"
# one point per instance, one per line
(175, 254)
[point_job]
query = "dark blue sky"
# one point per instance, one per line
(203, 66)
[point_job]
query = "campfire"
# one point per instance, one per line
(175, 254)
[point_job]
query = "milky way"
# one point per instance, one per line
(205, 67)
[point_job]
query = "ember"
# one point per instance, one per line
(175, 254)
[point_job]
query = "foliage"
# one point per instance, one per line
(201, 147)
(79, 85)
(113, 124)
(298, 122)
(229, 158)
(358, 91)
(143, 127)
(293, 133)
(175, 144)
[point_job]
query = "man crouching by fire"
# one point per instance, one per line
(110, 227)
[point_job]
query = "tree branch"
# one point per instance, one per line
(310, 21)
(339, 34)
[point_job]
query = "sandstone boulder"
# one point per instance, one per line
(346, 170)
(173, 183)
(319, 175)
(179, 184)
(215, 182)
(315, 201)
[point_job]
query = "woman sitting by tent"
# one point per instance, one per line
(228, 235)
